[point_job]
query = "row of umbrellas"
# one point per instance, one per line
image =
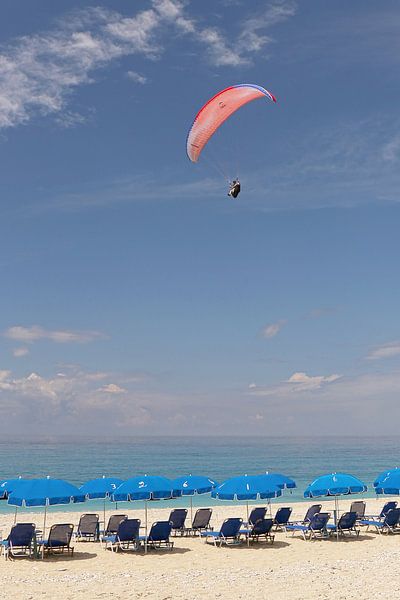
(38, 492)
(47, 492)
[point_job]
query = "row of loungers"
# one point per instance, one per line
(124, 533)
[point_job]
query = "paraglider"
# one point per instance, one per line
(234, 188)
(214, 113)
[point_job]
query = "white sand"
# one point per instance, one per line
(363, 568)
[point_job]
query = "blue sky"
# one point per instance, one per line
(137, 297)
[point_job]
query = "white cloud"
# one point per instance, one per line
(19, 352)
(388, 350)
(136, 77)
(391, 150)
(39, 72)
(297, 383)
(273, 329)
(35, 333)
(112, 388)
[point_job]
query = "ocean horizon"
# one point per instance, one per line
(79, 458)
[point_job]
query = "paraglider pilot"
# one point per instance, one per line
(234, 189)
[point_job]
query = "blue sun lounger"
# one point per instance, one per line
(177, 519)
(261, 528)
(158, 536)
(346, 524)
(386, 508)
(127, 536)
(282, 517)
(311, 511)
(256, 514)
(388, 525)
(20, 541)
(314, 529)
(229, 534)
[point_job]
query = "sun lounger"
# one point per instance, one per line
(229, 534)
(311, 511)
(346, 524)
(390, 523)
(20, 541)
(177, 519)
(387, 507)
(282, 517)
(88, 528)
(59, 540)
(261, 528)
(256, 514)
(201, 522)
(314, 528)
(126, 536)
(158, 536)
(112, 525)
(359, 508)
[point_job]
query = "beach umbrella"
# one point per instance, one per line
(388, 483)
(102, 489)
(281, 481)
(44, 492)
(7, 486)
(192, 485)
(384, 475)
(246, 487)
(335, 484)
(146, 488)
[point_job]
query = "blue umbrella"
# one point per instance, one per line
(191, 485)
(335, 484)
(101, 488)
(145, 487)
(44, 492)
(388, 483)
(383, 476)
(281, 481)
(246, 487)
(7, 486)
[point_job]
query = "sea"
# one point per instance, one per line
(78, 459)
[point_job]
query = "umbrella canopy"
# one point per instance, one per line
(390, 484)
(281, 481)
(189, 485)
(335, 484)
(7, 486)
(102, 487)
(145, 487)
(246, 487)
(383, 476)
(45, 492)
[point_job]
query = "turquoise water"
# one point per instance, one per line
(79, 459)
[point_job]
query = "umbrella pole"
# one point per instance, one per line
(44, 521)
(336, 517)
(15, 515)
(145, 527)
(191, 509)
(248, 537)
(104, 515)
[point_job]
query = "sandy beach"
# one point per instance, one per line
(290, 568)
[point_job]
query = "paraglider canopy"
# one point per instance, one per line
(219, 108)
